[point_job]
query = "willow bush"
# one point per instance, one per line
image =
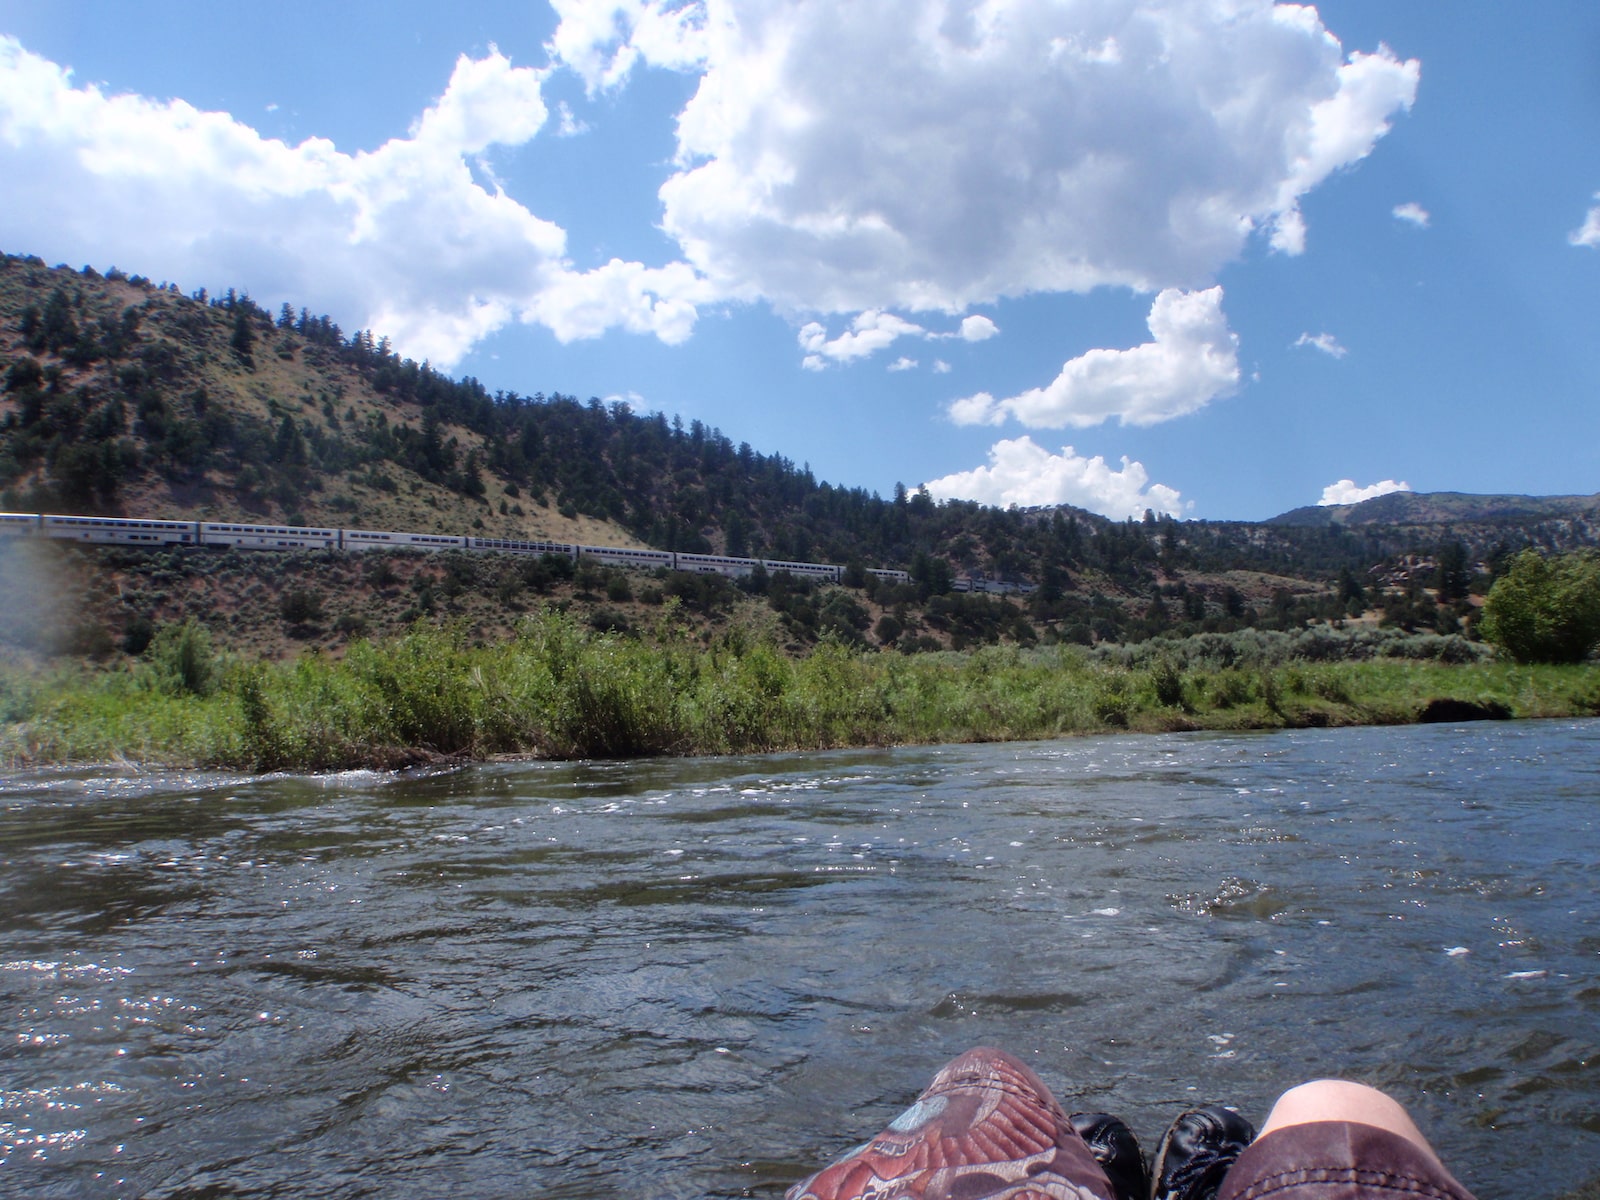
(561, 689)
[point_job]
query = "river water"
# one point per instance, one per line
(705, 977)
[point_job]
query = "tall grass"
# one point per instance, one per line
(560, 689)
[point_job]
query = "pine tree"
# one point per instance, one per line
(244, 338)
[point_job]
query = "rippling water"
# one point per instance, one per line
(705, 977)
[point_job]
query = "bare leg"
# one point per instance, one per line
(1341, 1100)
(1335, 1140)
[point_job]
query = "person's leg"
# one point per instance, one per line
(986, 1128)
(1341, 1100)
(1335, 1140)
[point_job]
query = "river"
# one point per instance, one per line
(691, 978)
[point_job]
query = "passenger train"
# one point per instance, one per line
(129, 531)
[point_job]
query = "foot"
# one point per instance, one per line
(1196, 1152)
(1117, 1151)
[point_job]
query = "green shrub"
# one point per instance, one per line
(1332, 687)
(18, 696)
(608, 620)
(182, 658)
(618, 590)
(1546, 610)
(301, 606)
(1112, 704)
(563, 689)
(1167, 681)
(1229, 689)
(136, 634)
(1269, 691)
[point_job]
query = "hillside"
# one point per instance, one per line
(1445, 508)
(126, 397)
(145, 401)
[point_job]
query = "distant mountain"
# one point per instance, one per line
(1442, 508)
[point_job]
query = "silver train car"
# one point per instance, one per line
(716, 564)
(622, 556)
(118, 531)
(372, 539)
(268, 537)
(804, 570)
(519, 546)
(130, 531)
(994, 587)
(889, 575)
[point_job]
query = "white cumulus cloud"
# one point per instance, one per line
(903, 363)
(1343, 127)
(1413, 213)
(1325, 342)
(603, 40)
(978, 328)
(629, 295)
(1588, 234)
(1346, 491)
(1193, 360)
(836, 158)
(401, 239)
(1023, 473)
(936, 154)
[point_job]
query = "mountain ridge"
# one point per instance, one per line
(1432, 508)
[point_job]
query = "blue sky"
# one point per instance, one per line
(1237, 257)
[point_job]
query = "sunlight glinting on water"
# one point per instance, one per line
(703, 977)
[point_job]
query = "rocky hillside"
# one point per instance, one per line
(123, 397)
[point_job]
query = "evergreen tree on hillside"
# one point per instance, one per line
(244, 338)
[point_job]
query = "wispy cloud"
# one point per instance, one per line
(568, 125)
(1325, 342)
(870, 332)
(1588, 234)
(1413, 213)
(876, 330)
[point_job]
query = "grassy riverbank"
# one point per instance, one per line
(561, 690)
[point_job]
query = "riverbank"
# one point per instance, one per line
(560, 690)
